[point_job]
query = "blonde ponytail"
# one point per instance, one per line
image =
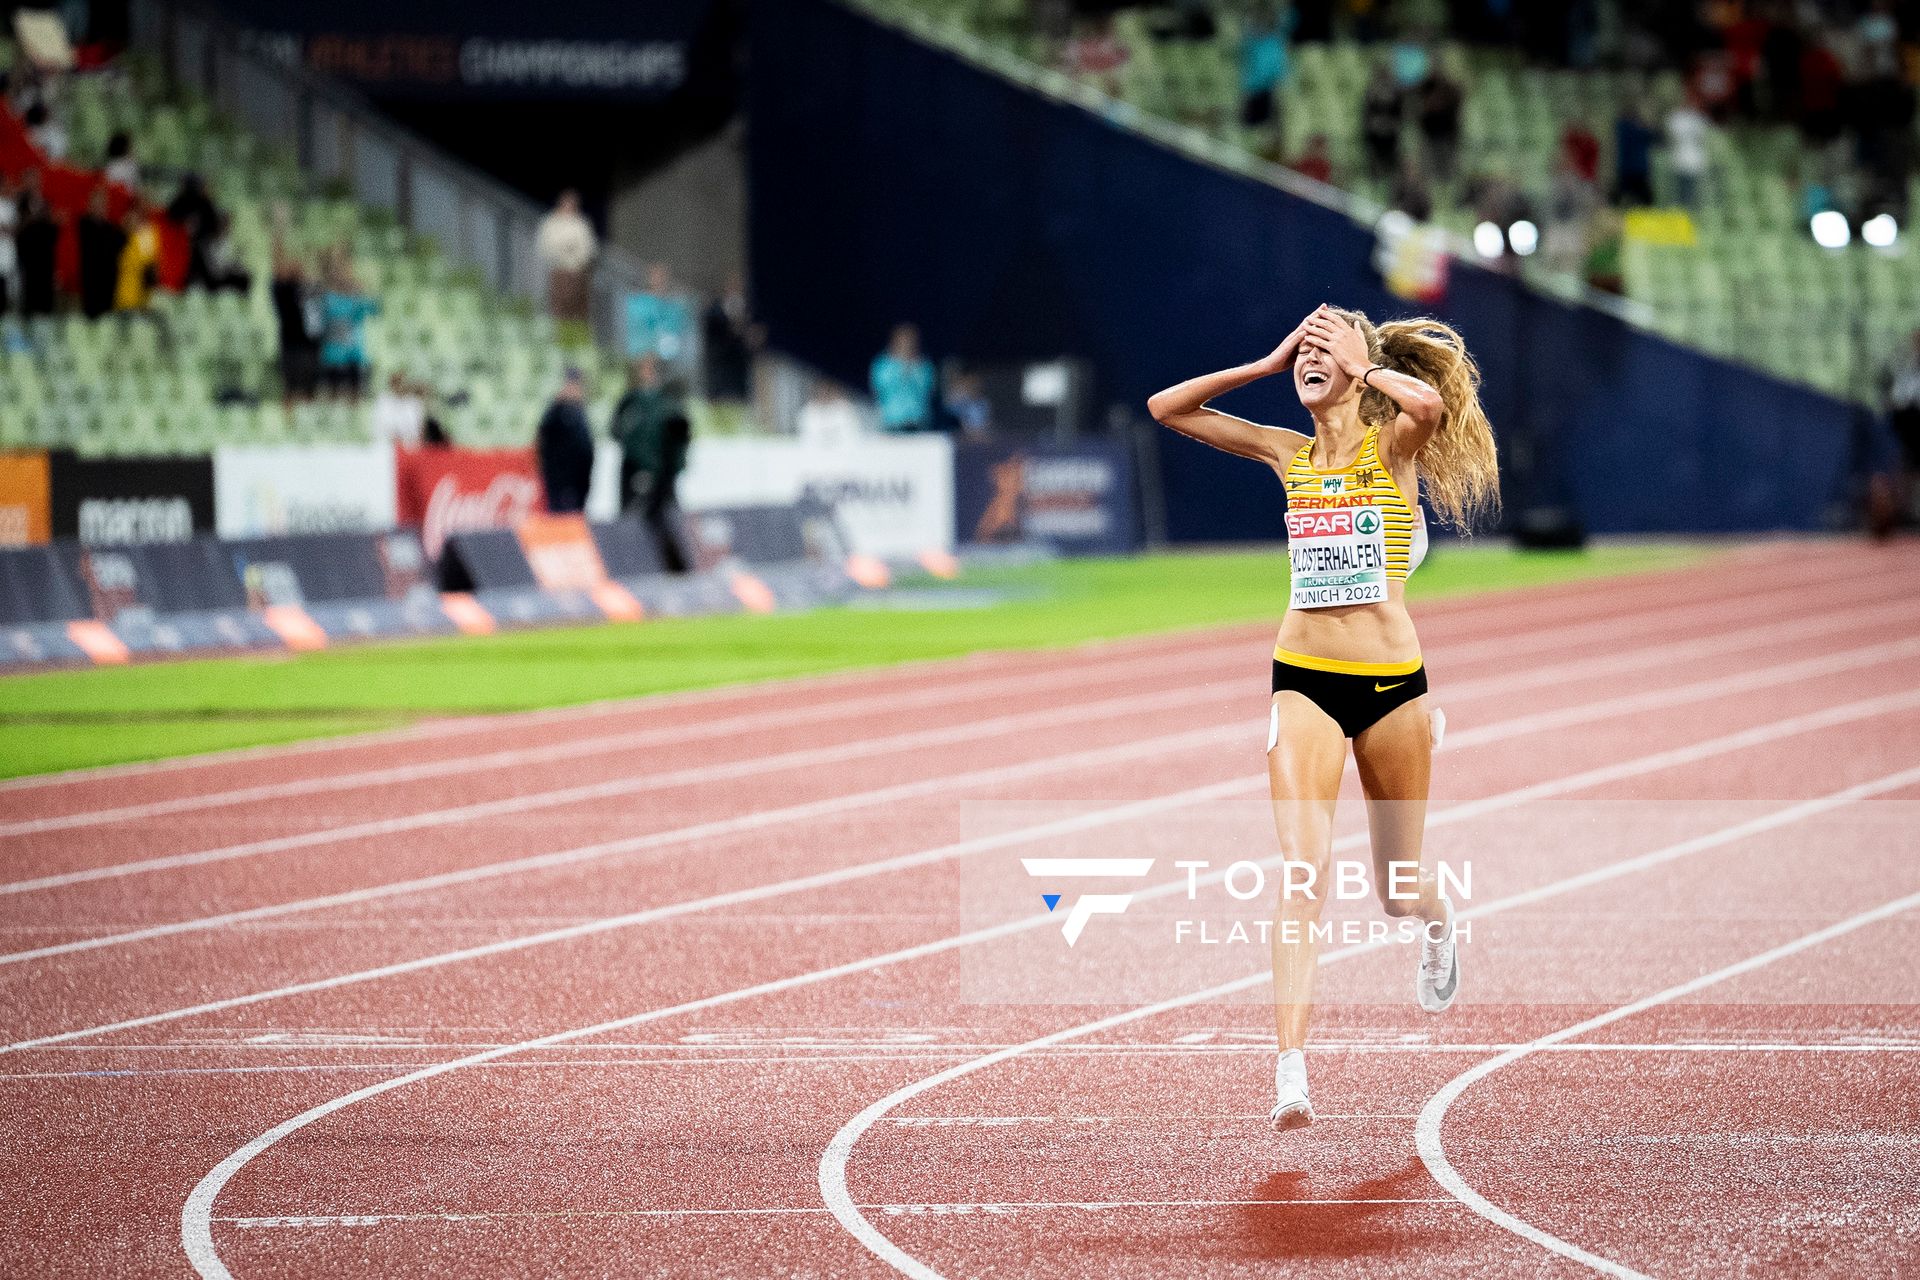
(1458, 468)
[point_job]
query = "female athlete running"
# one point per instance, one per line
(1396, 408)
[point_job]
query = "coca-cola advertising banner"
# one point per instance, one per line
(447, 491)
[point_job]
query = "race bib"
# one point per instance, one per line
(1339, 556)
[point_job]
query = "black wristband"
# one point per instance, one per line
(1366, 379)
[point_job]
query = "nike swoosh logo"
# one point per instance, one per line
(1382, 688)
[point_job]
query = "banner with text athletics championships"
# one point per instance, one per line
(446, 491)
(266, 491)
(893, 494)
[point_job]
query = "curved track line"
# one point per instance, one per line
(722, 771)
(1173, 638)
(197, 1214)
(1433, 1115)
(937, 695)
(833, 1162)
(1016, 772)
(1825, 718)
(1550, 674)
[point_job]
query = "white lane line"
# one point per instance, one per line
(1828, 717)
(840, 1058)
(864, 748)
(1149, 748)
(833, 1162)
(1560, 718)
(195, 1219)
(636, 739)
(982, 1208)
(1427, 1129)
(1182, 643)
(1615, 663)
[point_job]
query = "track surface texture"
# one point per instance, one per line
(753, 982)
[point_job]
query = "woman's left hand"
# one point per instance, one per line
(1340, 340)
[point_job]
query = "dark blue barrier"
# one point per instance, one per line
(1076, 497)
(37, 584)
(908, 185)
(311, 568)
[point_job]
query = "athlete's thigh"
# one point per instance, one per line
(1394, 756)
(1303, 767)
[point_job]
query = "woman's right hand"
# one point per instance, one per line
(1282, 357)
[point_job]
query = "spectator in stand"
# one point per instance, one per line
(36, 242)
(296, 312)
(139, 260)
(1607, 236)
(399, 413)
(1883, 115)
(567, 245)
(966, 404)
(1570, 208)
(728, 339)
(1437, 107)
(1782, 52)
(660, 321)
(1633, 140)
(344, 308)
(1095, 54)
(564, 444)
(828, 418)
(224, 267)
(1877, 41)
(102, 241)
(1687, 132)
(1412, 193)
(1580, 149)
(9, 253)
(1903, 416)
(192, 209)
(45, 132)
(902, 383)
(638, 422)
(1380, 115)
(1315, 162)
(121, 167)
(1822, 89)
(1266, 64)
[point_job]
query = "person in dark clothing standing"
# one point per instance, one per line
(1438, 102)
(1381, 113)
(637, 424)
(196, 214)
(101, 242)
(727, 338)
(36, 241)
(296, 313)
(565, 447)
(660, 508)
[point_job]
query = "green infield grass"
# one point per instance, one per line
(72, 718)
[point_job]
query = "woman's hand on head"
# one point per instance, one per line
(1282, 357)
(1341, 340)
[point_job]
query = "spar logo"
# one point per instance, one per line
(1087, 905)
(1319, 524)
(1367, 521)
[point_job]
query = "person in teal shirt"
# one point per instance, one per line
(902, 383)
(343, 316)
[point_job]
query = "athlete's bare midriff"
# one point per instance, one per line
(1381, 632)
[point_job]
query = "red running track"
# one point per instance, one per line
(751, 982)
